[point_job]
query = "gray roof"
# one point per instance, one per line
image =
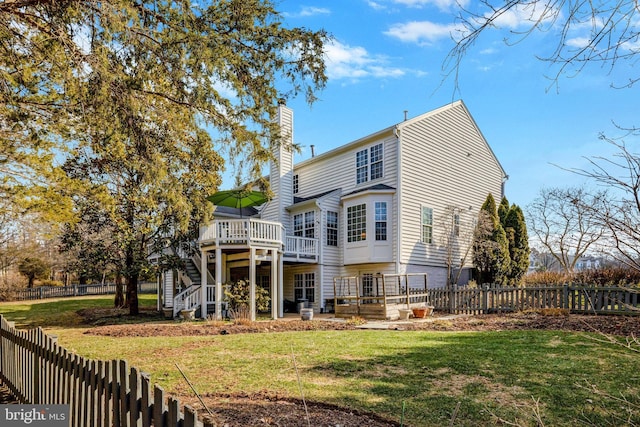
(372, 188)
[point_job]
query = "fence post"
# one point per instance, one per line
(452, 298)
(565, 296)
(484, 289)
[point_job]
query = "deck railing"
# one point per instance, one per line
(301, 247)
(241, 232)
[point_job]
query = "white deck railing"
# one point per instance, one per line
(241, 232)
(246, 232)
(301, 247)
(189, 299)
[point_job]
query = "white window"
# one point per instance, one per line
(298, 225)
(376, 161)
(332, 228)
(304, 285)
(357, 223)
(369, 164)
(295, 184)
(304, 224)
(427, 225)
(381, 220)
(362, 166)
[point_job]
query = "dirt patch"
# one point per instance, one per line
(216, 328)
(264, 409)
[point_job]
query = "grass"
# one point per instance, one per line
(494, 376)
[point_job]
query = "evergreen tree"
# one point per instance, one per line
(490, 245)
(33, 268)
(139, 100)
(516, 229)
(503, 210)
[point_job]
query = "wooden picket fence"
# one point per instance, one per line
(575, 298)
(43, 292)
(100, 393)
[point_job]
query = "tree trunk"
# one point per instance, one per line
(132, 294)
(119, 299)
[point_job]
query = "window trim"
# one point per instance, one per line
(295, 184)
(365, 164)
(424, 226)
(357, 223)
(303, 226)
(332, 228)
(380, 218)
(301, 282)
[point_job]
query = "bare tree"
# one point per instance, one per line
(457, 236)
(586, 32)
(543, 260)
(562, 222)
(619, 212)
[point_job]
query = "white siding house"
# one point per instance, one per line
(401, 200)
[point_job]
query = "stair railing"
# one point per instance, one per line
(186, 300)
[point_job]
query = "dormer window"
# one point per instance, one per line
(369, 164)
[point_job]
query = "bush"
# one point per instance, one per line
(237, 295)
(613, 276)
(48, 282)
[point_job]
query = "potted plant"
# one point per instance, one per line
(422, 312)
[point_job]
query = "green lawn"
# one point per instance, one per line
(490, 375)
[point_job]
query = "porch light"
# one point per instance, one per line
(363, 235)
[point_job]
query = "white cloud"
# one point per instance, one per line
(422, 32)
(347, 62)
(311, 11)
(376, 5)
(440, 4)
(578, 42)
(306, 11)
(488, 51)
(520, 16)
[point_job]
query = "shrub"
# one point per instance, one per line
(612, 276)
(48, 282)
(237, 295)
(546, 278)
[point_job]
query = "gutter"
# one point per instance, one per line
(396, 132)
(321, 258)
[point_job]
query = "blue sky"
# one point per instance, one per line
(387, 56)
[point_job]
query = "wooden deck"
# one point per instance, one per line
(379, 297)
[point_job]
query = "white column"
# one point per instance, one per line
(203, 284)
(252, 283)
(280, 287)
(218, 284)
(275, 297)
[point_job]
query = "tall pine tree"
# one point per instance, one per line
(516, 229)
(490, 245)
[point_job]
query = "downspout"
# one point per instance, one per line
(396, 132)
(321, 259)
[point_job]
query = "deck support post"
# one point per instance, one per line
(203, 283)
(252, 283)
(218, 284)
(281, 286)
(275, 296)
